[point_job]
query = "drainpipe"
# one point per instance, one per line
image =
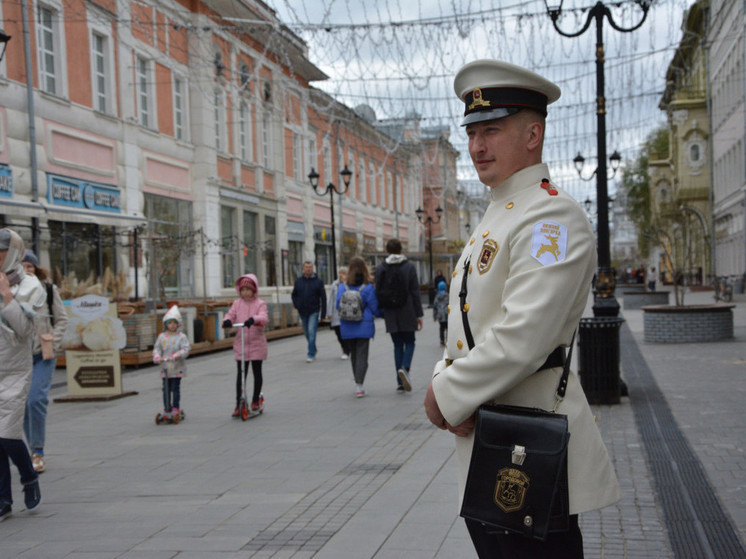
(31, 125)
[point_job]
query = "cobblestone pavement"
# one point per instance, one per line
(326, 475)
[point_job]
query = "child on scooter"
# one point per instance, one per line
(249, 312)
(170, 350)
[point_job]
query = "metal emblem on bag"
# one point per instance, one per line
(510, 489)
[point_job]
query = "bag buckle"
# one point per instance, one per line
(518, 455)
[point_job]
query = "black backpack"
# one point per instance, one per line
(394, 287)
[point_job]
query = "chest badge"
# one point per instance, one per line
(486, 257)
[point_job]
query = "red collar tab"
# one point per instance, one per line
(546, 185)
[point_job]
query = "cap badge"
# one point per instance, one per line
(477, 100)
(487, 256)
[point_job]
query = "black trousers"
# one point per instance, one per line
(342, 343)
(493, 545)
(256, 368)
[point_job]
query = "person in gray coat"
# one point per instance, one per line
(403, 320)
(22, 297)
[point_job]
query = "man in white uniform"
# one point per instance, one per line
(530, 264)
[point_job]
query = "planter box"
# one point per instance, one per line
(639, 299)
(691, 323)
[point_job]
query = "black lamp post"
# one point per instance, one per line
(429, 222)
(331, 188)
(4, 38)
(605, 303)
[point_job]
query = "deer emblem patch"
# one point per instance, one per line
(549, 242)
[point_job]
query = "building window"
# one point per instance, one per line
(229, 248)
(327, 164)
(244, 132)
(312, 164)
(47, 40)
(266, 139)
(143, 91)
(251, 245)
(179, 105)
(171, 245)
(220, 143)
(270, 243)
(295, 259)
(297, 157)
(362, 194)
(101, 72)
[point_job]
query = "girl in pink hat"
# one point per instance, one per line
(250, 312)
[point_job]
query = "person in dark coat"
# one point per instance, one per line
(309, 297)
(402, 322)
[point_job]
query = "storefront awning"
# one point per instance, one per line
(76, 215)
(39, 210)
(13, 208)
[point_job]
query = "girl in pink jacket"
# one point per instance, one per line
(249, 312)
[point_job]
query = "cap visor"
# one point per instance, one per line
(481, 116)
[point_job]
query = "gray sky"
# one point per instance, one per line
(400, 56)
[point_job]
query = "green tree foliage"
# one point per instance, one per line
(636, 184)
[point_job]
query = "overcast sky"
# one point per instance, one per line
(400, 56)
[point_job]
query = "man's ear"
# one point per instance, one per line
(535, 133)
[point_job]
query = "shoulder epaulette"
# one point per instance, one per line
(546, 185)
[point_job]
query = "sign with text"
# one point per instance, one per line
(92, 342)
(6, 181)
(65, 191)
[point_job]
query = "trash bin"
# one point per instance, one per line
(598, 348)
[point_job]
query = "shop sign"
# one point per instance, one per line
(6, 182)
(64, 191)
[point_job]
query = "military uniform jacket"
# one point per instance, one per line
(531, 262)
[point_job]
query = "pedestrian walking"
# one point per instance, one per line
(170, 351)
(333, 313)
(248, 312)
(358, 306)
(51, 326)
(524, 277)
(440, 311)
(652, 278)
(309, 297)
(22, 297)
(398, 292)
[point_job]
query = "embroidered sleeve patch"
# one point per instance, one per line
(549, 242)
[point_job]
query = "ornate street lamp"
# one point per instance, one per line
(428, 221)
(331, 188)
(4, 40)
(605, 304)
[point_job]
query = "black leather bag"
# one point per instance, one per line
(517, 479)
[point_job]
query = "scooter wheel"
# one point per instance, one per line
(158, 418)
(175, 418)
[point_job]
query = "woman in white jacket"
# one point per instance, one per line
(21, 298)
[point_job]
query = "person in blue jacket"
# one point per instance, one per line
(359, 333)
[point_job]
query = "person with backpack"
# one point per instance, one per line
(358, 307)
(398, 292)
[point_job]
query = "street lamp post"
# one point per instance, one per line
(428, 221)
(330, 189)
(4, 38)
(605, 303)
